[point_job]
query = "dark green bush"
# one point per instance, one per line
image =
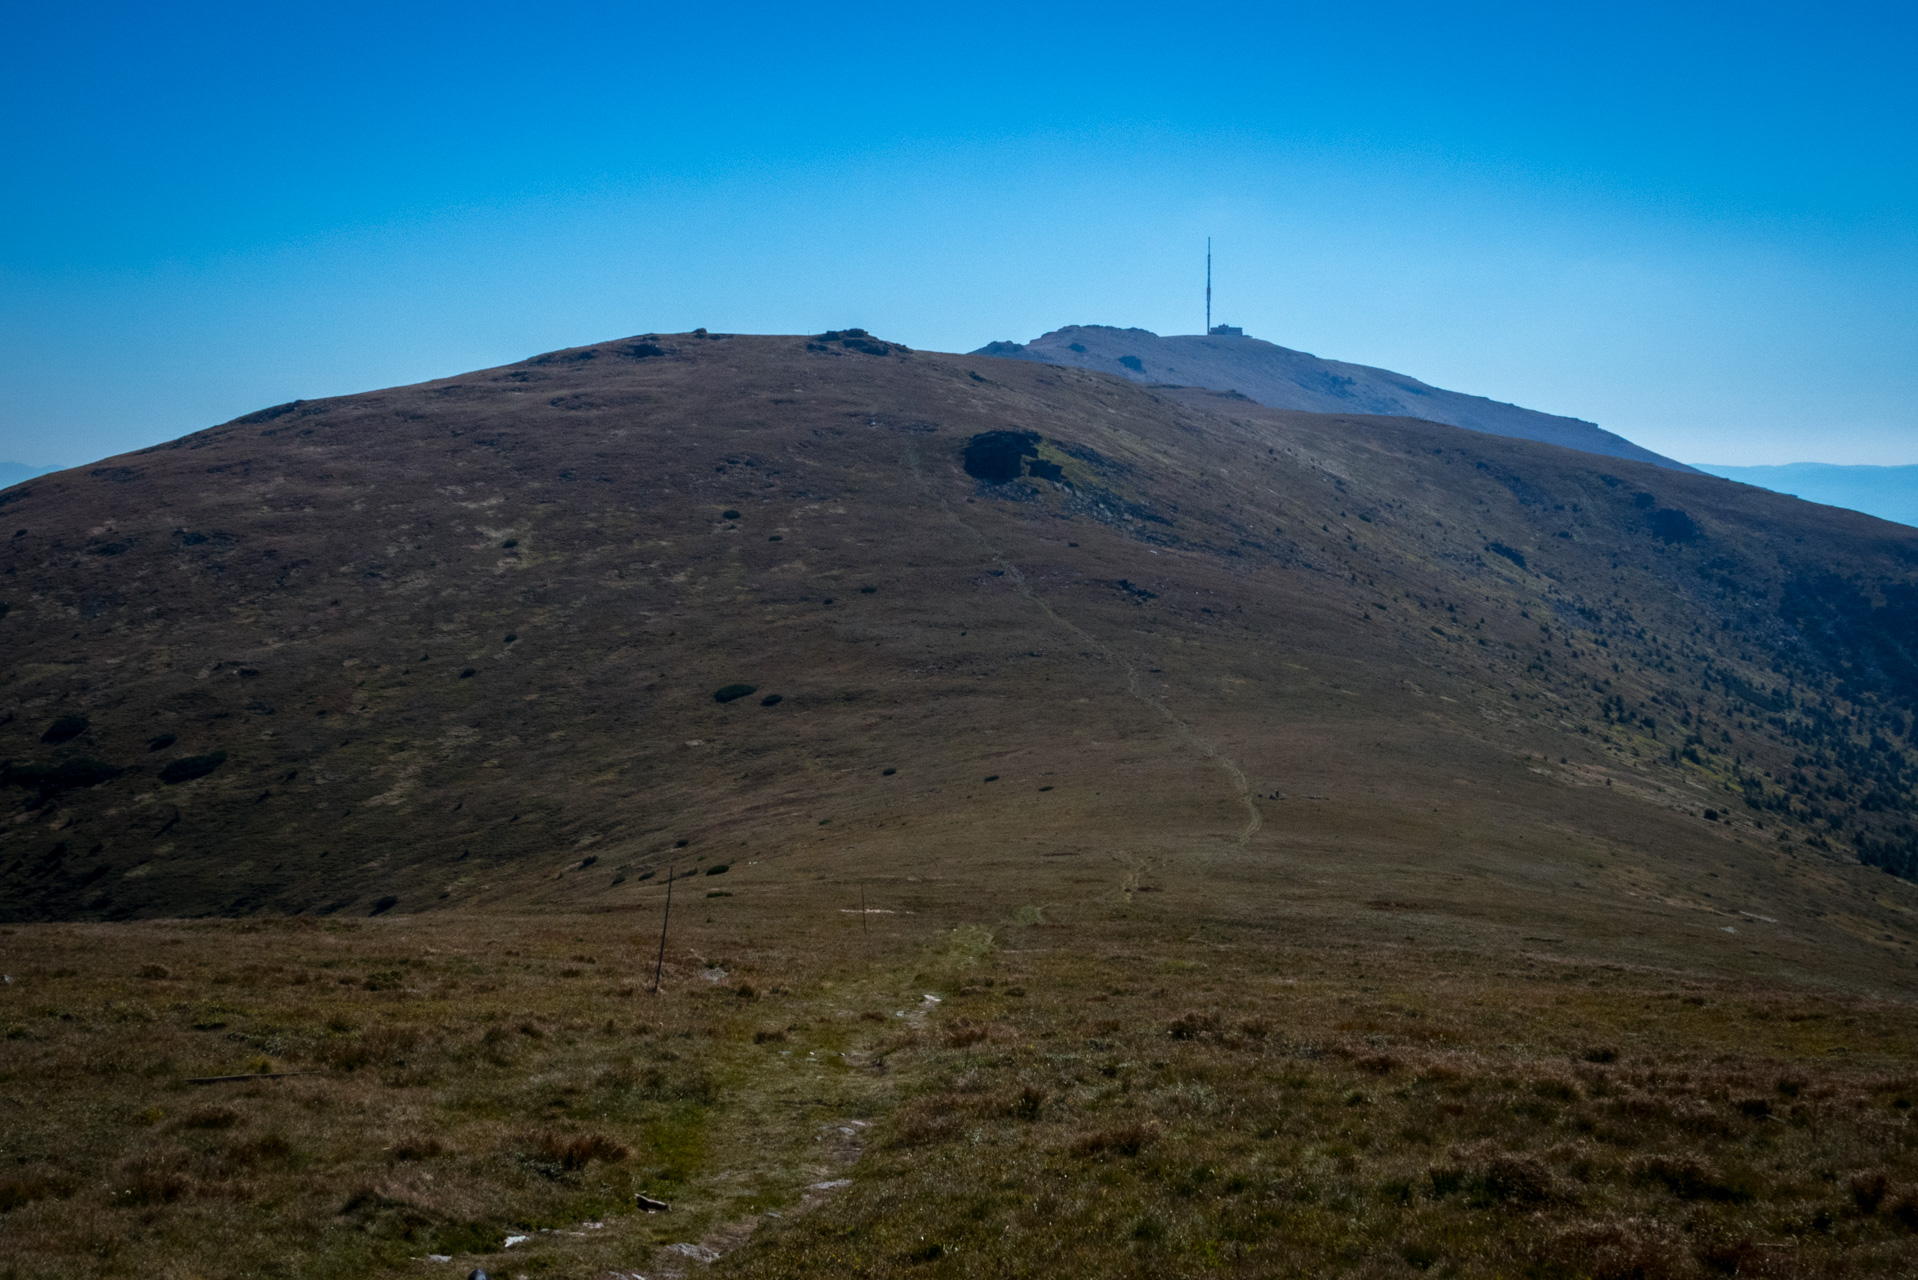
(996, 456)
(1673, 526)
(60, 777)
(187, 768)
(65, 729)
(733, 691)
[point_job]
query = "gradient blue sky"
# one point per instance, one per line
(1696, 226)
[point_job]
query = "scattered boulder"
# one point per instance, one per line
(854, 340)
(733, 692)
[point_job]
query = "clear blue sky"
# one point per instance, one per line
(1697, 226)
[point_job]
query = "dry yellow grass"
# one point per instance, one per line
(1104, 1085)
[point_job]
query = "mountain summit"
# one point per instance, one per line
(1227, 360)
(517, 636)
(1126, 819)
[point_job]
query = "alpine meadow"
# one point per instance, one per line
(1112, 829)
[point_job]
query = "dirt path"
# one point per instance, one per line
(1133, 688)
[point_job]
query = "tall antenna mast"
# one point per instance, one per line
(1208, 284)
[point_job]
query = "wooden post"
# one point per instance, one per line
(864, 932)
(660, 964)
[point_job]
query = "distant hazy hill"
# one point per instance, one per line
(1890, 493)
(1287, 379)
(12, 473)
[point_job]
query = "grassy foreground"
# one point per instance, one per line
(1118, 1096)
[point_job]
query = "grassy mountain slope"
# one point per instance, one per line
(1285, 379)
(453, 640)
(1199, 839)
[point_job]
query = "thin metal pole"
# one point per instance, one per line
(1208, 285)
(864, 932)
(660, 964)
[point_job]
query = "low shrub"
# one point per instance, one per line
(187, 768)
(1615, 1249)
(1193, 1026)
(16, 1192)
(1868, 1192)
(1124, 1140)
(1688, 1178)
(67, 775)
(1518, 1180)
(145, 1180)
(575, 1151)
(382, 1046)
(65, 729)
(417, 1148)
(268, 1148)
